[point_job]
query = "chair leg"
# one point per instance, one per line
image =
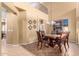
(59, 45)
(67, 43)
(65, 46)
(41, 45)
(37, 44)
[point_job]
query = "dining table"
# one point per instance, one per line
(54, 39)
(53, 35)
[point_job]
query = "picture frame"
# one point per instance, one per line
(34, 21)
(34, 26)
(30, 27)
(30, 22)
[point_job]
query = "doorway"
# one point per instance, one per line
(3, 29)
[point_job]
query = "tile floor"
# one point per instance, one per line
(31, 50)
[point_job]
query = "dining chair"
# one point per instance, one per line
(39, 39)
(42, 39)
(65, 39)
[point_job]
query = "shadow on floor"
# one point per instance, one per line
(42, 52)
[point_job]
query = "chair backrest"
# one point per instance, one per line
(38, 35)
(65, 36)
(42, 33)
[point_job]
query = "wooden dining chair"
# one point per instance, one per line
(42, 39)
(65, 39)
(39, 39)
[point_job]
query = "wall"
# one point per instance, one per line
(77, 29)
(22, 19)
(17, 23)
(71, 16)
(26, 35)
(77, 21)
(77, 9)
(12, 28)
(12, 23)
(59, 8)
(31, 15)
(0, 28)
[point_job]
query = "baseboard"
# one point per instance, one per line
(27, 43)
(12, 44)
(72, 41)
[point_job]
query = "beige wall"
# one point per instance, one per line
(12, 28)
(17, 23)
(77, 9)
(0, 28)
(59, 8)
(22, 31)
(77, 29)
(77, 22)
(62, 8)
(31, 15)
(71, 15)
(12, 23)
(26, 35)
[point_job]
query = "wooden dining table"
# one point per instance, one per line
(54, 39)
(52, 36)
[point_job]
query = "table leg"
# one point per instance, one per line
(60, 47)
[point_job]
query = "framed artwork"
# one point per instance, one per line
(29, 27)
(34, 26)
(41, 21)
(65, 22)
(30, 22)
(34, 21)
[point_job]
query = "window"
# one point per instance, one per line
(65, 22)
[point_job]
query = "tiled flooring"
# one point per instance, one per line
(31, 50)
